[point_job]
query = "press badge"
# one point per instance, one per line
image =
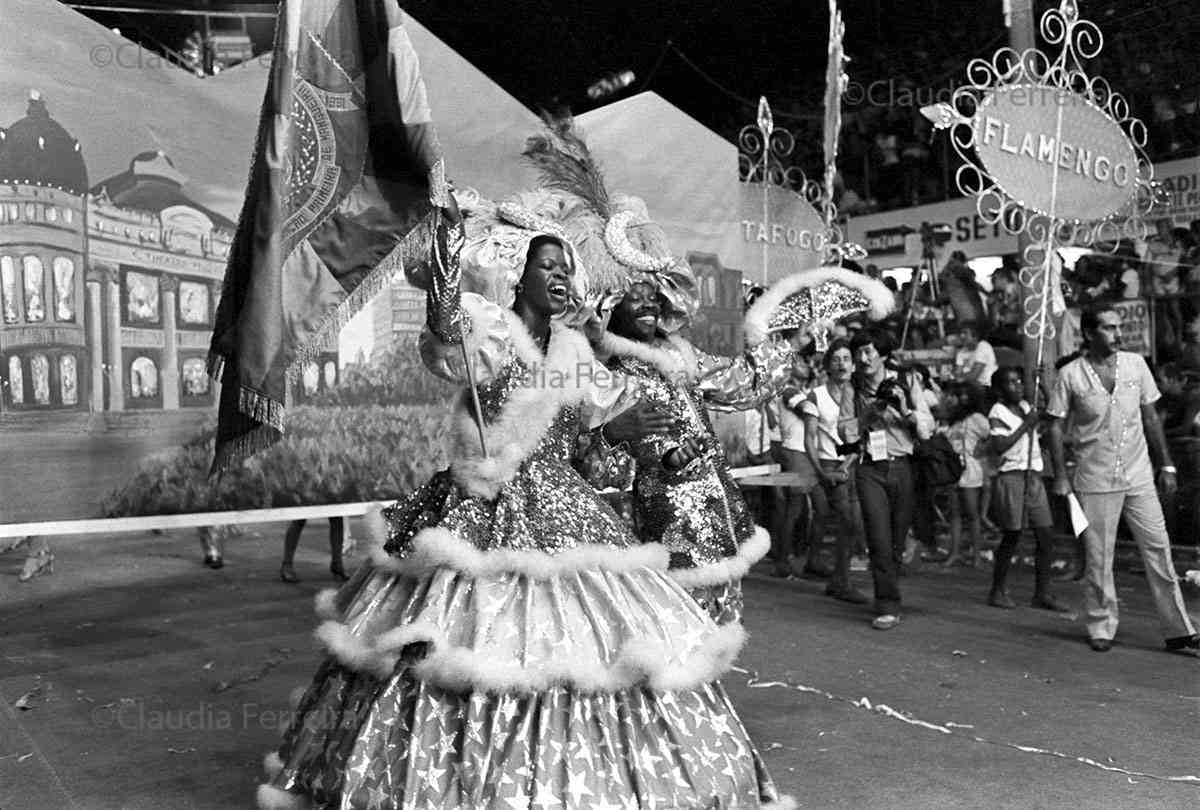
(877, 448)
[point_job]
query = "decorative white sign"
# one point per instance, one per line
(1055, 151)
(1049, 151)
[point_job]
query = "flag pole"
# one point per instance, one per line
(291, 39)
(478, 414)
(450, 211)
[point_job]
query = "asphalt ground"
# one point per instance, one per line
(133, 677)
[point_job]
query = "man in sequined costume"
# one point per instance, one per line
(684, 496)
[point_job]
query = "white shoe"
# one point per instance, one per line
(886, 621)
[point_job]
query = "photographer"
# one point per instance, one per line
(829, 425)
(892, 413)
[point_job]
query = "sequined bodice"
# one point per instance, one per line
(697, 513)
(685, 405)
(558, 443)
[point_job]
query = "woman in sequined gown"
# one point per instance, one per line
(511, 644)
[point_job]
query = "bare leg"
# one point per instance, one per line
(985, 505)
(1008, 544)
(956, 515)
(969, 501)
(210, 541)
(291, 539)
(1042, 597)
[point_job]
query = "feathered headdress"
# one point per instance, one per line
(615, 237)
(498, 237)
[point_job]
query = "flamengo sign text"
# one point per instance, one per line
(1078, 159)
(1055, 152)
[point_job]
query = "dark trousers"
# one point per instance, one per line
(842, 500)
(768, 505)
(800, 526)
(924, 519)
(885, 492)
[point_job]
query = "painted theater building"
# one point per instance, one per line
(107, 292)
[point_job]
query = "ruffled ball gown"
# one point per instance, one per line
(512, 645)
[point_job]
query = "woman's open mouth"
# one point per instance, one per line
(647, 320)
(558, 289)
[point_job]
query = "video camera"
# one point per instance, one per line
(934, 235)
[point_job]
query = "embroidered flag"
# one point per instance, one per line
(343, 185)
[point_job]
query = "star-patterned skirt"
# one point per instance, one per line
(405, 744)
(504, 676)
(416, 738)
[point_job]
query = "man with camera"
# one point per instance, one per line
(1110, 395)
(892, 414)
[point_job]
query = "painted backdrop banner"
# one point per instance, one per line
(116, 219)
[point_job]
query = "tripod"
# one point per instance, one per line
(927, 269)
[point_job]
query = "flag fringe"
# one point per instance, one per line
(235, 451)
(413, 248)
(261, 408)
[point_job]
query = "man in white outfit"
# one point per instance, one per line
(1110, 395)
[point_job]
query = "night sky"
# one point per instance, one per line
(547, 52)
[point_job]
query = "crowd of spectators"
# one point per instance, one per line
(1163, 273)
(951, 523)
(889, 156)
(957, 332)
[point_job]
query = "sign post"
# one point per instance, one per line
(1055, 154)
(785, 214)
(1052, 154)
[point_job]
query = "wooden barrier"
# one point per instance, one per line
(746, 476)
(54, 528)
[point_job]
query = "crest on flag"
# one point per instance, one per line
(345, 187)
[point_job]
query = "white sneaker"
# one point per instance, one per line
(860, 564)
(885, 622)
